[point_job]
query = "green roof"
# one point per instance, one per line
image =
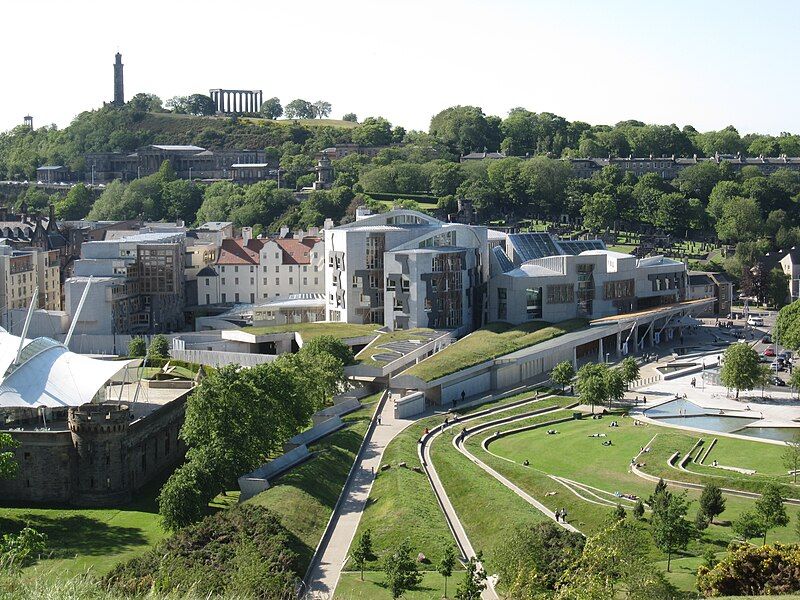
(376, 354)
(496, 339)
(311, 330)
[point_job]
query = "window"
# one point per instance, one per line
(252, 298)
(265, 281)
(277, 281)
(235, 269)
(252, 281)
(277, 268)
(264, 268)
(316, 280)
(502, 303)
(405, 284)
(223, 281)
(278, 255)
(237, 297)
(235, 281)
(207, 281)
(355, 281)
(305, 280)
(305, 268)
(291, 280)
(533, 303)
(390, 285)
(561, 293)
(614, 290)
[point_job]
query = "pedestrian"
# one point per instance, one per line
(563, 515)
(463, 395)
(644, 399)
(557, 514)
(379, 419)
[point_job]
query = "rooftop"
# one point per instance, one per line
(308, 331)
(491, 341)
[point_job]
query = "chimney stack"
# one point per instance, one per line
(247, 235)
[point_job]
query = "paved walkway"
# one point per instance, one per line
(333, 552)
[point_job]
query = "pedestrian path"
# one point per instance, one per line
(333, 551)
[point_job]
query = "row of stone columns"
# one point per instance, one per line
(237, 102)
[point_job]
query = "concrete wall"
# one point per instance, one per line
(309, 436)
(257, 481)
(215, 358)
(409, 405)
(337, 410)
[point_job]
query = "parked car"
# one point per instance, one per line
(777, 366)
(770, 351)
(778, 381)
(755, 322)
(766, 340)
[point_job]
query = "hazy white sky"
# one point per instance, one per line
(708, 63)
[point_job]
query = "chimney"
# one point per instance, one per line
(328, 224)
(284, 232)
(247, 235)
(52, 215)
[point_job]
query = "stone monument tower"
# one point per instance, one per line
(324, 171)
(119, 93)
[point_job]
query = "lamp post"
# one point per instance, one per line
(190, 174)
(93, 174)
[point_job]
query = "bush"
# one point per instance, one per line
(159, 347)
(137, 347)
(244, 551)
(753, 571)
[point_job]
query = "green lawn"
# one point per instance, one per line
(150, 372)
(88, 540)
(312, 330)
(496, 339)
(432, 586)
(305, 496)
(574, 455)
(402, 504)
(367, 355)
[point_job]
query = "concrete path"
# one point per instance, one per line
(333, 551)
(459, 444)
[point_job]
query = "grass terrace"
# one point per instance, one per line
(496, 339)
(305, 496)
(368, 355)
(308, 331)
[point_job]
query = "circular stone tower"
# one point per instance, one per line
(98, 435)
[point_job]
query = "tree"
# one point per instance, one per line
(76, 204)
(562, 374)
(183, 499)
(351, 117)
(770, 508)
(618, 514)
(374, 131)
(321, 109)
(591, 384)
(19, 549)
(159, 347)
(787, 326)
(638, 510)
(791, 455)
(712, 503)
(8, 464)
(271, 108)
(598, 211)
(749, 525)
(670, 530)
(777, 288)
(447, 564)
(143, 102)
(752, 571)
(629, 369)
(533, 557)
(740, 221)
(614, 384)
(474, 580)
(740, 368)
(400, 569)
(137, 347)
(299, 109)
(200, 104)
(363, 551)
(465, 129)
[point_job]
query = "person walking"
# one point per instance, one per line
(563, 515)
(379, 419)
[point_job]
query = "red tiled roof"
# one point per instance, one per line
(234, 252)
(297, 252)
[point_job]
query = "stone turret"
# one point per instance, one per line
(324, 171)
(98, 434)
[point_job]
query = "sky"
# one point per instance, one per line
(709, 63)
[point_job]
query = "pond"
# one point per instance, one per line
(687, 414)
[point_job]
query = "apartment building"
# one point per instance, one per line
(138, 284)
(22, 272)
(405, 269)
(252, 270)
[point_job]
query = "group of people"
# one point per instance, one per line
(561, 515)
(613, 424)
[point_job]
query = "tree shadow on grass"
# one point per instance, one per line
(77, 534)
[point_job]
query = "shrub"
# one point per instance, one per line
(748, 570)
(159, 347)
(244, 551)
(137, 347)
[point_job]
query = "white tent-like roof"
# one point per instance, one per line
(48, 374)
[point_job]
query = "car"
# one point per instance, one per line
(770, 351)
(777, 366)
(766, 340)
(778, 381)
(755, 322)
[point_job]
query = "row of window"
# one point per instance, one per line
(289, 268)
